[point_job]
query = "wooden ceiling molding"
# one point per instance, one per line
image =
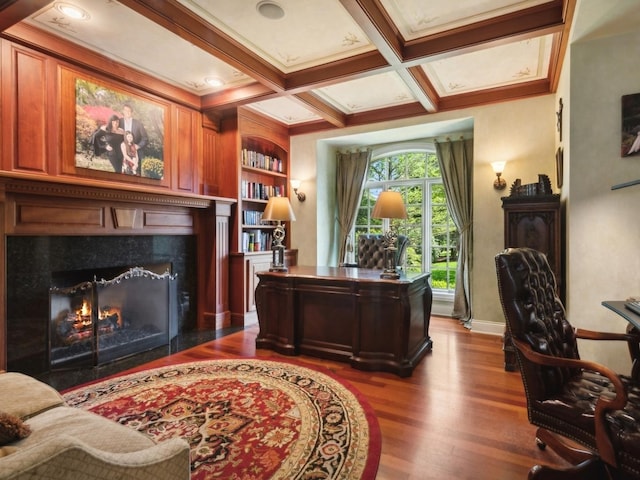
(305, 57)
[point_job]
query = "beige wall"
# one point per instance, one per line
(604, 231)
(521, 132)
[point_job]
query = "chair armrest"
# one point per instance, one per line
(594, 335)
(632, 339)
(67, 458)
(603, 405)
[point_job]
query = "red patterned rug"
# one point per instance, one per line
(247, 418)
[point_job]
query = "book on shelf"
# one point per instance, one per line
(256, 241)
(260, 191)
(252, 217)
(251, 158)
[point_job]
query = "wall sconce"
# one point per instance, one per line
(499, 183)
(295, 184)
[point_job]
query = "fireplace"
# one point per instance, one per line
(37, 263)
(110, 318)
(52, 224)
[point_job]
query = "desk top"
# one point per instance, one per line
(343, 273)
(618, 307)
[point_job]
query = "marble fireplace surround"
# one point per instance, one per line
(45, 208)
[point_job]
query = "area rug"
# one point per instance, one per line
(247, 418)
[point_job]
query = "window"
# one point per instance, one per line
(433, 237)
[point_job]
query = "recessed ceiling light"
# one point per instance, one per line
(214, 81)
(72, 11)
(270, 10)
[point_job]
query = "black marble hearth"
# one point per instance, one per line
(32, 263)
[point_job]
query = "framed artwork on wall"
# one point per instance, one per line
(118, 132)
(559, 167)
(630, 125)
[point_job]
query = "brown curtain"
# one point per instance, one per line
(456, 165)
(351, 173)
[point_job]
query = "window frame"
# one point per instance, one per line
(426, 183)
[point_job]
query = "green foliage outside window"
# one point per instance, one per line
(433, 237)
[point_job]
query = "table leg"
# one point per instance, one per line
(634, 350)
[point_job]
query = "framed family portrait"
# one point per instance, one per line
(118, 132)
(630, 125)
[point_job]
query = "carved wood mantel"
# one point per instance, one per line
(46, 206)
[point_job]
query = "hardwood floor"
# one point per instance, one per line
(459, 416)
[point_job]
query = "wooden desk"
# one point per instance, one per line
(618, 307)
(346, 314)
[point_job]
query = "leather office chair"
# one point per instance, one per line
(579, 400)
(371, 252)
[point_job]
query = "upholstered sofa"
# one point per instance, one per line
(69, 443)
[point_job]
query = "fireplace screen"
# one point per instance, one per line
(96, 322)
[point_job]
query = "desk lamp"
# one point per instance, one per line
(278, 209)
(389, 205)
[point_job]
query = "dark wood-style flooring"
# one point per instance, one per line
(459, 416)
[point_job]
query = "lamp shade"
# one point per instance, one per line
(498, 167)
(389, 205)
(278, 208)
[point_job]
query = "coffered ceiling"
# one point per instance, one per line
(315, 64)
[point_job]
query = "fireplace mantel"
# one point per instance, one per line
(33, 205)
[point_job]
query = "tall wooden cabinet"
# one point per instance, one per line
(254, 164)
(534, 221)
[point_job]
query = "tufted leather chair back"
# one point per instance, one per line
(371, 251)
(535, 314)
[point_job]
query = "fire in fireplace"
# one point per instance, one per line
(99, 321)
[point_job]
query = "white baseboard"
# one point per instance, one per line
(490, 328)
(443, 308)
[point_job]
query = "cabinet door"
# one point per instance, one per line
(532, 230)
(255, 264)
(538, 229)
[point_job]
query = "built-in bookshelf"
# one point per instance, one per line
(255, 152)
(263, 175)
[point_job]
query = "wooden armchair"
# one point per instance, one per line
(585, 412)
(371, 252)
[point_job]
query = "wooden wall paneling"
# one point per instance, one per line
(7, 126)
(227, 166)
(238, 271)
(186, 140)
(206, 270)
(31, 111)
(3, 280)
(24, 105)
(222, 249)
(213, 266)
(54, 118)
(227, 171)
(47, 215)
(209, 145)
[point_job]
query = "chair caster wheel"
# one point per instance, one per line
(541, 445)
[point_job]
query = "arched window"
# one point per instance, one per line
(413, 170)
